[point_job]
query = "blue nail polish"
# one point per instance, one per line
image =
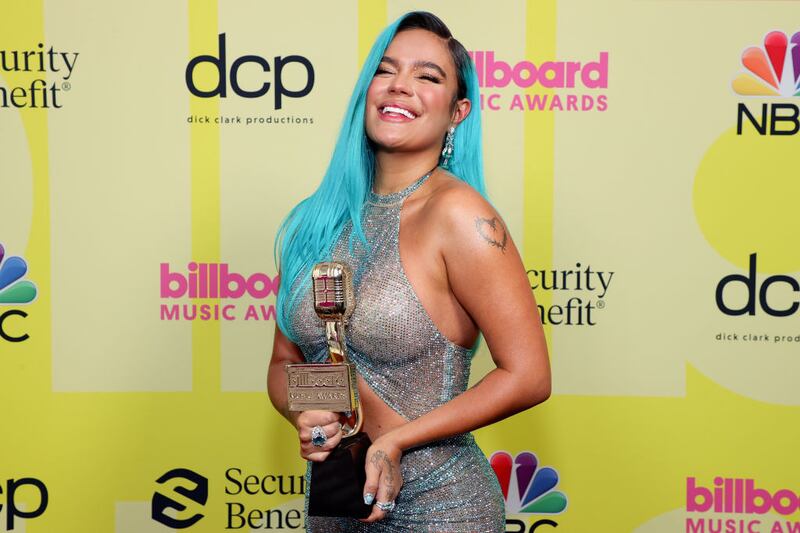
(369, 498)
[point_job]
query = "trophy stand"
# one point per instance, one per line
(329, 386)
(337, 482)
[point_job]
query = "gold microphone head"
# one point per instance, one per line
(333, 290)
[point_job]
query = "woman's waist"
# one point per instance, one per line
(437, 461)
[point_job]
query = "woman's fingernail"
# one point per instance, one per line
(369, 498)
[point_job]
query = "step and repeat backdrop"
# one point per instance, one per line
(644, 154)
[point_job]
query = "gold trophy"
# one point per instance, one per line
(329, 386)
(337, 482)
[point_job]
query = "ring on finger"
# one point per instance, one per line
(385, 506)
(318, 436)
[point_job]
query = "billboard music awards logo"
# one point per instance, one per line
(14, 291)
(37, 94)
(580, 310)
(771, 70)
(286, 77)
(568, 78)
(27, 487)
(183, 494)
(734, 505)
(215, 281)
(528, 489)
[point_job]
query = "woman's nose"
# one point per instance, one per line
(401, 83)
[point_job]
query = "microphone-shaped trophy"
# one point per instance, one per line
(337, 483)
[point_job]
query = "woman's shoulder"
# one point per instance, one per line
(466, 222)
(451, 196)
(460, 219)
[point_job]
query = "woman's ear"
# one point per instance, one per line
(462, 109)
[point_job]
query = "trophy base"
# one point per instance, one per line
(337, 483)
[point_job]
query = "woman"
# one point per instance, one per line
(433, 268)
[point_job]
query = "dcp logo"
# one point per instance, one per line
(751, 284)
(196, 493)
(17, 485)
(221, 89)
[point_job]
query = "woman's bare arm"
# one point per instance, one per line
(487, 277)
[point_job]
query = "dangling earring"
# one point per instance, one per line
(447, 151)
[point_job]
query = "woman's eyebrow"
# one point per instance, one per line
(418, 63)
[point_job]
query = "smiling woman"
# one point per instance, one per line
(403, 203)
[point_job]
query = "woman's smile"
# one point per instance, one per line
(396, 113)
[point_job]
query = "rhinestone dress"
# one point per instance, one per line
(448, 484)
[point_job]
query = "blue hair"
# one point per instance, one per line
(308, 233)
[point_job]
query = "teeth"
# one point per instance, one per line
(398, 110)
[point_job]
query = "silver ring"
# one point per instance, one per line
(386, 506)
(318, 437)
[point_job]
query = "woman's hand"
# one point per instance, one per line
(329, 422)
(384, 477)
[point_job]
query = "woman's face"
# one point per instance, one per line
(409, 102)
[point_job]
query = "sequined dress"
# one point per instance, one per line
(448, 485)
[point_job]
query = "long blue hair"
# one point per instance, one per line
(308, 233)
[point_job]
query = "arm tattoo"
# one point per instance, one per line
(388, 468)
(492, 231)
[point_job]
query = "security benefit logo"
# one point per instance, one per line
(737, 505)
(529, 491)
(245, 494)
(584, 289)
(771, 71)
(177, 503)
(22, 499)
(45, 63)
(15, 291)
(182, 498)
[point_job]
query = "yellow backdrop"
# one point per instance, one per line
(643, 154)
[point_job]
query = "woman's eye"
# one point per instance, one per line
(381, 71)
(428, 77)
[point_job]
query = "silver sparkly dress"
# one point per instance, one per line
(448, 485)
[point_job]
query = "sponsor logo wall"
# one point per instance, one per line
(643, 155)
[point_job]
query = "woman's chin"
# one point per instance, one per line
(388, 143)
(391, 145)
(392, 138)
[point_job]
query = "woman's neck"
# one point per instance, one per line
(394, 171)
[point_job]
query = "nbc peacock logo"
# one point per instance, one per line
(14, 289)
(772, 69)
(528, 488)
